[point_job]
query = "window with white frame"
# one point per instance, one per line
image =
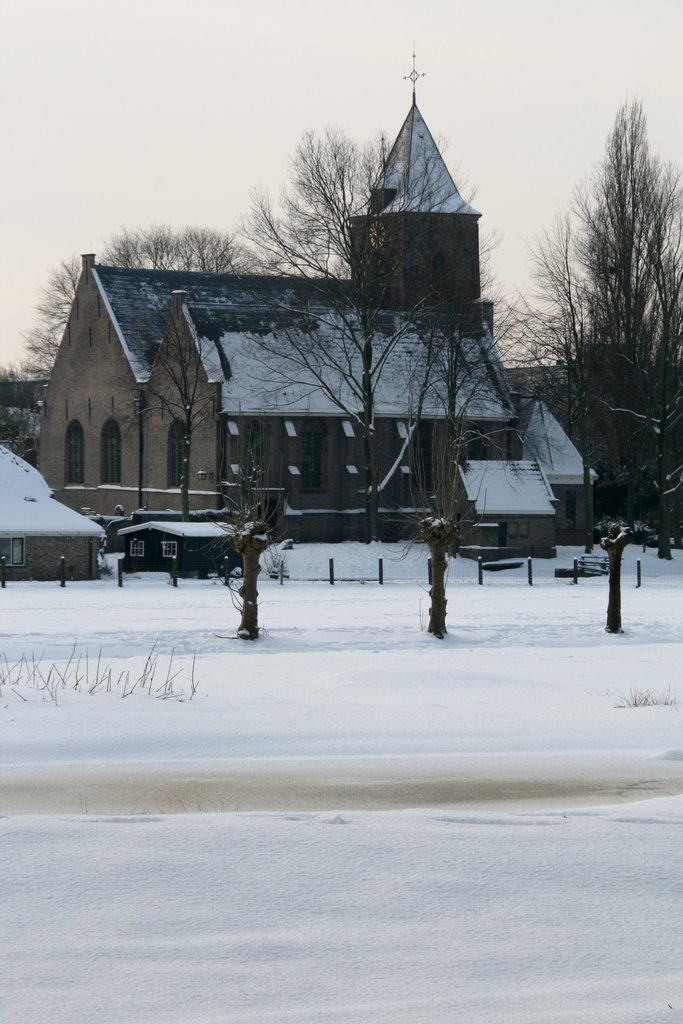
(12, 550)
(169, 548)
(137, 548)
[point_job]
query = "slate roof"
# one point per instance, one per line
(242, 321)
(281, 382)
(139, 302)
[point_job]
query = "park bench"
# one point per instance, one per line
(593, 565)
(501, 566)
(586, 565)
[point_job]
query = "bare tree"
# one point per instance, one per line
(662, 376)
(249, 526)
(561, 329)
(55, 300)
(332, 229)
(157, 247)
(250, 538)
(614, 543)
(611, 274)
(163, 247)
(182, 384)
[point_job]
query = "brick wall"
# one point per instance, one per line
(43, 554)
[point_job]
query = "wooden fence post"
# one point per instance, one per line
(282, 572)
(575, 578)
(174, 570)
(530, 572)
(480, 571)
(3, 562)
(639, 576)
(429, 571)
(226, 573)
(332, 572)
(119, 571)
(62, 571)
(380, 571)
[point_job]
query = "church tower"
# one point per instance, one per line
(423, 235)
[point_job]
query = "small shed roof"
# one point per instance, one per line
(208, 531)
(508, 488)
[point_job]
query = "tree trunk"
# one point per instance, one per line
(631, 474)
(587, 484)
(678, 543)
(664, 526)
(437, 534)
(250, 541)
(185, 477)
(614, 544)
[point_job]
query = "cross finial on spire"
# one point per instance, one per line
(414, 75)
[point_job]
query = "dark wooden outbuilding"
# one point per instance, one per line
(200, 549)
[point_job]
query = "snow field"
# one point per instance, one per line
(519, 909)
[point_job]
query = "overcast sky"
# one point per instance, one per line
(138, 111)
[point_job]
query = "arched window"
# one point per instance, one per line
(111, 453)
(312, 456)
(73, 451)
(477, 443)
(439, 276)
(423, 456)
(176, 444)
(251, 463)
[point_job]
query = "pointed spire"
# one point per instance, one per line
(416, 175)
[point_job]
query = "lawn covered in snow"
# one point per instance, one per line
(412, 830)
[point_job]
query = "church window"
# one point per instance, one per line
(312, 456)
(570, 508)
(176, 444)
(477, 444)
(74, 451)
(423, 456)
(251, 463)
(111, 453)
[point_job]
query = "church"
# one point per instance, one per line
(177, 390)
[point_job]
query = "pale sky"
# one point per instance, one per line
(138, 111)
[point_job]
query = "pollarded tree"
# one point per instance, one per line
(614, 543)
(250, 538)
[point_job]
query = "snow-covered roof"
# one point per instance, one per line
(507, 488)
(27, 506)
(209, 531)
(417, 173)
(545, 442)
(275, 373)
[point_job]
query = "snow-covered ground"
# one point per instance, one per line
(470, 830)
